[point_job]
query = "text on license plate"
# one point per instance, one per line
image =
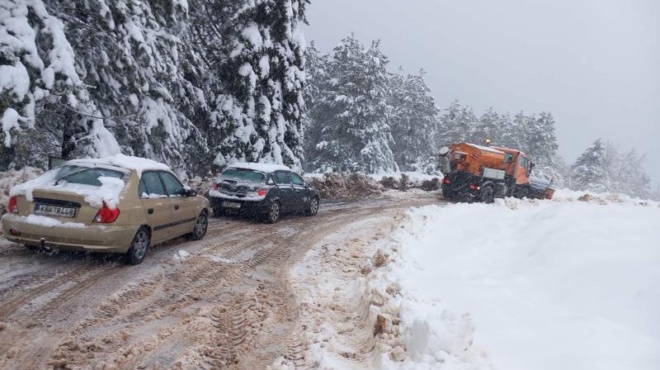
(45, 209)
(231, 205)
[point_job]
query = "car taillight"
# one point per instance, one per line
(262, 192)
(445, 181)
(13, 204)
(474, 187)
(106, 215)
(215, 186)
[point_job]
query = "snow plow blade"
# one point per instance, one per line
(540, 188)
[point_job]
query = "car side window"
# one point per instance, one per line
(150, 185)
(282, 178)
(296, 179)
(172, 184)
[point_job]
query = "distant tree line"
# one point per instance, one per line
(362, 117)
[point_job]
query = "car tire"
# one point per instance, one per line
(313, 207)
(201, 225)
(139, 246)
(274, 212)
(487, 194)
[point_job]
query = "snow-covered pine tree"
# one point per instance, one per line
(626, 173)
(141, 65)
(490, 126)
(317, 81)
(258, 112)
(589, 171)
(45, 106)
(459, 124)
(509, 134)
(540, 139)
(414, 122)
(352, 117)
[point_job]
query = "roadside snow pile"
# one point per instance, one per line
(542, 285)
(566, 195)
(345, 185)
(359, 185)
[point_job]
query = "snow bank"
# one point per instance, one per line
(540, 284)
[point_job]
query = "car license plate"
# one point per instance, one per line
(231, 205)
(50, 210)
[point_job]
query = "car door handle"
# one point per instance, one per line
(176, 206)
(150, 211)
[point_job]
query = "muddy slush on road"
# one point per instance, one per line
(223, 302)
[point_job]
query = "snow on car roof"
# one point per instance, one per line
(263, 167)
(487, 149)
(124, 161)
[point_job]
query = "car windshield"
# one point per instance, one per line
(242, 175)
(85, 175)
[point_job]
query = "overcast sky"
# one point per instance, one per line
(595, 64)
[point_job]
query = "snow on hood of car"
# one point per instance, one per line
(124, 161)
(263, 167)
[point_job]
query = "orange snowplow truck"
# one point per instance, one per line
(482, 173)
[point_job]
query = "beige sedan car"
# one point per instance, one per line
(117, 204)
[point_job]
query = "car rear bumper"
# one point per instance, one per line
(239, 205)
(93, 238)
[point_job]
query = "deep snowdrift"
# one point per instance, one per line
(537, 284)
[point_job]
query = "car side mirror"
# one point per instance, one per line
(190, 192)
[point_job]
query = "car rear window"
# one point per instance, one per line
(86, 176)
(243, 175)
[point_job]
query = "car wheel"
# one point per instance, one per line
(139, 246)
(488, 194)
(273, 213)
(313, 208)
(201, 225)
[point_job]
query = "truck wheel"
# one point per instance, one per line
(487, 194)
(523, 192)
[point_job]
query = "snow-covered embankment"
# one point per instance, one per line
(516, 285)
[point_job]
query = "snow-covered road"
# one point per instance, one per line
(404, 282)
